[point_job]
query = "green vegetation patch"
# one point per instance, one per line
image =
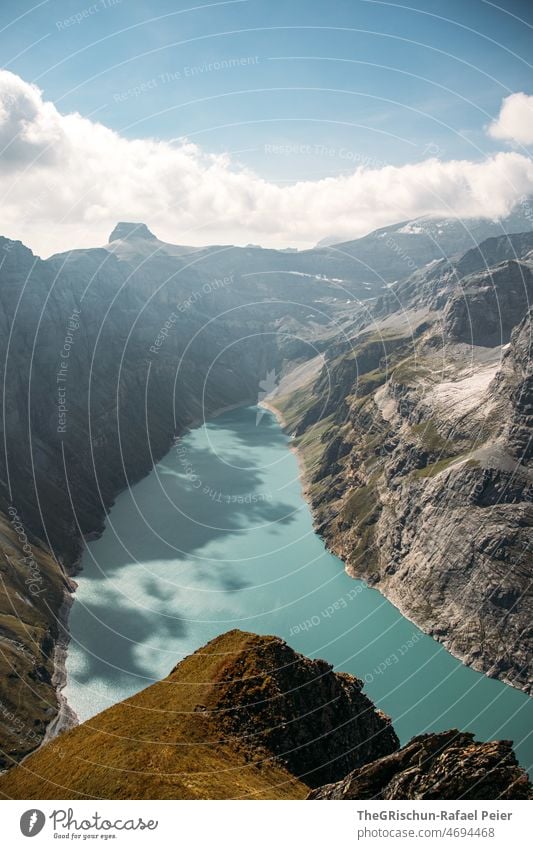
(371, 381)
(430, 437)
(434, 468)
(295, 405)
(410, 372)
(312, 444)
(361, 505)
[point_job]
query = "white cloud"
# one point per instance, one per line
(515, 121)
(65, 181)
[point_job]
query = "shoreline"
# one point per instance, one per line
(302, 472)
(66, 717)
(476, 664)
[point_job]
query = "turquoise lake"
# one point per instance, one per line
(219, 536)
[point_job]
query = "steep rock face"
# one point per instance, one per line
(515, 381)
(449, 765)
(245, 716)
(487, 305)
(317, 722)
(420, 479)
(32, 584)
(491, 252)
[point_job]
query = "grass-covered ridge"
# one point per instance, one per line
(243, 717)
(162, 743)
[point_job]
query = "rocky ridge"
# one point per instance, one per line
(449, 765)
(247, 717)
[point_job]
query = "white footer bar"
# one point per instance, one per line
(267, 825)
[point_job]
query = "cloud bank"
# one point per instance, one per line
(515, 121)
(66, 180)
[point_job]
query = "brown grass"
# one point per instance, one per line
(163, 743)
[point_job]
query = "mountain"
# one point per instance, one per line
(87, 339)
(393, 253)
(247, 717)
(110, 353)
(126, 231)
(417, 440)
(129, 240)
(430, 287)
(243, 717)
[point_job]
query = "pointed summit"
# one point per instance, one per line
(125, 230)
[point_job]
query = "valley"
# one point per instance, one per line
(218, 537)
(408, 401)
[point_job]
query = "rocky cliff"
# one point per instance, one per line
(449, 765)
(243, 717)
(416, 438)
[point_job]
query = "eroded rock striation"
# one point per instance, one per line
(417, 442)
(449, 765)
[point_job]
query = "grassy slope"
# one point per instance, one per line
(162, 743)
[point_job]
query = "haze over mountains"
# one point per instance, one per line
(383, 256)
(417, 427)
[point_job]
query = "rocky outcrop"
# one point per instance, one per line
(316, 721)
(488, 305)
(128, 230)
(32, 587)
(449, 765)
(493, 251)
(245, 716)
(515, 382)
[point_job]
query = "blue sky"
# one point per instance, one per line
(332, 82)
(289, 91)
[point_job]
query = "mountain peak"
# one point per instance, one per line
(128, 230)
(249, 715)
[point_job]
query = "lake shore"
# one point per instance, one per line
(298, 589)
(303, 476)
